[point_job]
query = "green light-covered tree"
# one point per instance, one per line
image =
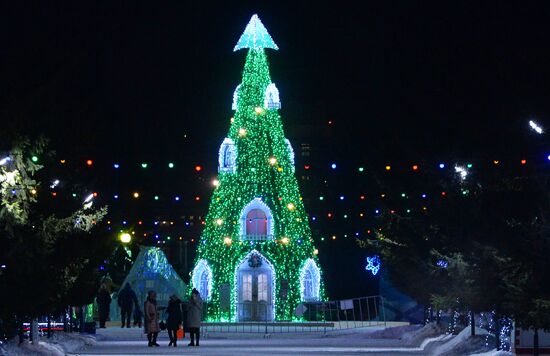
(256, 216)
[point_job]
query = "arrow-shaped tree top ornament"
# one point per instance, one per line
(255, 36)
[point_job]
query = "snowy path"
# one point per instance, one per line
(133, 342)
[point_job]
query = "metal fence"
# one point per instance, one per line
(318, 316)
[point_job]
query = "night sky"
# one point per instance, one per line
(400, 80)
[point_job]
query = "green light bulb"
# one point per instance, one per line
(170, 165)
(34, 159)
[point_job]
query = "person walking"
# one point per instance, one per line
(151, 322)
(174, 319)
(194, 317)
(103, 304)
(126, 300)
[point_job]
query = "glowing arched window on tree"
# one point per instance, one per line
(256, 221)
(310, 279)
(227, 156)
(202, 279)
(271, 97)
(235, 97)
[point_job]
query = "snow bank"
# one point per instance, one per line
(58, 345)
(463, 343)
(417, 336)
(396, 332)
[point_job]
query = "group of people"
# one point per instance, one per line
(179, 313)
(127, 302)
(187, 314)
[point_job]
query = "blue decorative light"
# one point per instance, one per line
(177, 198)
(373, 264)
(442, 165)
(333, 166)
(442, 263)
(341, 197)
(423, 195)
(115, 196)
(116, 165)
(377, 211)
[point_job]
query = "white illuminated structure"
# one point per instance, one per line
(271, 97)
(202, 279)
(310, 279)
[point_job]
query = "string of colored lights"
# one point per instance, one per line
(330, 166)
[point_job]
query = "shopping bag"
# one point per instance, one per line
(180, 334)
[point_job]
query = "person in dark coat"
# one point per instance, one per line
(103, 304)
(173, 322)
(151, 318)
(194, 317)
(126, 300)
(138, 316)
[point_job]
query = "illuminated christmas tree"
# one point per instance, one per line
(256, 259)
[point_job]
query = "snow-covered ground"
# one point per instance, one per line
(58, 345)
(401, 340)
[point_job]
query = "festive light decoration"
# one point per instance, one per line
(170, 165)
(144, 165)
(255, 36)
(202, 279)
(535, 127)
(442, 263)
(89, 198)
(4, 160)
(89, 162)
(256, 205)
(271, 98)
(373, 264)
(34, 159)
(54, 184)
(462, 172)
(235, 99)
(125, 238)
(310, 279)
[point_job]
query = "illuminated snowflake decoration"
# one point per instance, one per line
(373, 264)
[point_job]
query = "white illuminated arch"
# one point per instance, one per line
(310, 279)
(202, 279)
(227, 156)
(256, 203)
(271, 97)
(235, 98)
